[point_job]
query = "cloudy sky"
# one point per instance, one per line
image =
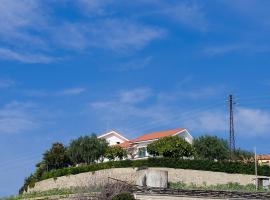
(70, 68)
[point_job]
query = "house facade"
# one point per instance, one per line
(263, 159)
(137, 148)
(114, 138)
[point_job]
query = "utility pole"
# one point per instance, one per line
(256, 170)
(231, 137)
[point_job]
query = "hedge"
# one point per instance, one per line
(205, 165)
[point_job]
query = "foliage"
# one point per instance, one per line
(115, 152)
(60, 192)
(28, 182)
(87, 149)
(124, 196)
(243, 155)
(229, 186)
(211, 148)
(206, 165)
(55, 158)
(172, 146)
(112, 190)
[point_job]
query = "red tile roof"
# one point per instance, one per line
(157, 135)
(125, 144)
(263, 157)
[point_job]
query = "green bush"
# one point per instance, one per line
(124, 196)
(115, 152)
(172, 147)
(205, 165)
(231, 186)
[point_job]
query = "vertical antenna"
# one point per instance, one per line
(232, 136)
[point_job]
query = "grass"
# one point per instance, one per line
(60, 192)
(227, 187)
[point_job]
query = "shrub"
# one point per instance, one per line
(111, 191)
(115, 152)
(171, 146)
(124, 196)
(206, 165)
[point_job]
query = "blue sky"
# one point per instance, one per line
(70, 68)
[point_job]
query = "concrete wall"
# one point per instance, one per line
(129, 174)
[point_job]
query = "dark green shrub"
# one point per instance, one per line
(205, 165)
(211, 148)
(124, 196)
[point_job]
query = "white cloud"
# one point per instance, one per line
(244, 47)
(18, 117)
(7, 54)
(131, 110)
(253, 122)
(190, 15)
(94, 7)
(6, 83)
(71, 91)
(222, 49)
(208, 121)
(183, 91)
(18, 15)
(248, 122)
(19, 19)
(124, 107)
(124, 113)
(111, 34)
(65, 92)
(134, 96)
(135, 64)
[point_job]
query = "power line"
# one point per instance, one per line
(184, 116)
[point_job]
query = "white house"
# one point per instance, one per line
(137, 147)
(114, 138)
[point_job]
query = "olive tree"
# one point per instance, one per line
(87, 149)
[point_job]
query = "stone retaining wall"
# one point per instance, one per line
(129, 174)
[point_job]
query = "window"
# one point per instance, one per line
(142, 152)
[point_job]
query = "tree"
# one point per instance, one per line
(87, 149)
(56, 157)
(243, 155)
(114, 152)
(172, 146)
(211, 148)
